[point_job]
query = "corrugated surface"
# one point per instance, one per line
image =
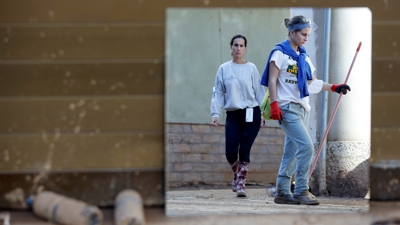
(35, 30)
(81, 92)
(81, 41)
(119, 78)
(82, 114)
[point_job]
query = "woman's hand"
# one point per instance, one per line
(340, 88)
(276, 113)
(263, 122)
(215, 121)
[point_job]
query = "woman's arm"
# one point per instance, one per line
(329, 87)
(276, 113)
(335, 87)
(326, 87)
(218, 98)
(273, 77)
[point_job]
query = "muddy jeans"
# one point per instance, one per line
(298, 149)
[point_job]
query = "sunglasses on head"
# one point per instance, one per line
(304, 20)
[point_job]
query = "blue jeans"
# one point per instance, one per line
(297, 151)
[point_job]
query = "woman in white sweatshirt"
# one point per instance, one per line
(239, 92)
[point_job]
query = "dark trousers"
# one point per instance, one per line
(240, 135)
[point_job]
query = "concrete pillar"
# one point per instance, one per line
(349, 137)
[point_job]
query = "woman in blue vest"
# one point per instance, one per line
(289, 77)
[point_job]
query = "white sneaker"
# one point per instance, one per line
(241, 193)
(234, 188)
(271, 192)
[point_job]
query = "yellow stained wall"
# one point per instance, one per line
(81, 99)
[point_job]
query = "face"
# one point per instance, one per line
(300, 37)
(238, 47)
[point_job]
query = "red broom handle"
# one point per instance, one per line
(333, 115)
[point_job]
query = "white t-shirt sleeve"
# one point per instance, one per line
(315, 86)
(277, 57)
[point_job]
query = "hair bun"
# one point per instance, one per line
(286, 21)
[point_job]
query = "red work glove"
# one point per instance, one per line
(340, 88)
(276, 113)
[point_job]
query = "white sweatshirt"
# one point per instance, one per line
(237, 86)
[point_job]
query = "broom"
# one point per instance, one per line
(332, 116)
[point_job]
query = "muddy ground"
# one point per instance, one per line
(222, 201)
(220, 206)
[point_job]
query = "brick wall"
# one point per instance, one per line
(196, 155)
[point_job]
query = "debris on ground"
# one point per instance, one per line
(65, 210)
(129, 208)
(5, 217)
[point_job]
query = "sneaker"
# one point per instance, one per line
(271, 192)
(234, 188)
(307, 198)
(286, 199)
(240, 193)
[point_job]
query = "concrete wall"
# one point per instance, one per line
(198, 41)
(349, 138)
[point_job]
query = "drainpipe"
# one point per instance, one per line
(324, 118)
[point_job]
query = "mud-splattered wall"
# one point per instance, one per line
(81, 99)
(66, 101)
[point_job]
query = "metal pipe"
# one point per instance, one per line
(325, 78)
